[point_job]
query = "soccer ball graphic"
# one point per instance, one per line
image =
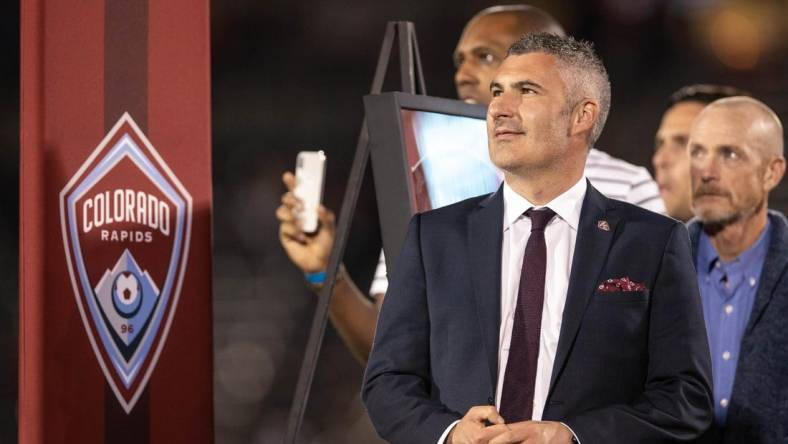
(126, 294)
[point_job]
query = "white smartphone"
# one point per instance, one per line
(309, 177)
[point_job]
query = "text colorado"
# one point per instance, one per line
(127, 206)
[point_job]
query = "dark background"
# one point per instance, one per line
(289, 76)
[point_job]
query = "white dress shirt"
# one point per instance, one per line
(560, 238)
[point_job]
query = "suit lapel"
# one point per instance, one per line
(591, 250)
(485, 235)
(773, 266)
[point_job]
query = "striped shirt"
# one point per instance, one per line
(620, 180)
(615, 178)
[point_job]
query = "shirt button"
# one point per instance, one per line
(724, 402)
(728, 309)
(753, 282)
(726, 355)
(717, 264)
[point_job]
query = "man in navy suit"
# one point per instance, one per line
(545, 312)
(741, 254)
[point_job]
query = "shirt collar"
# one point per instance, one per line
(707, 255)
(567, 205)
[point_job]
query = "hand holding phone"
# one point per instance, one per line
(309, 180)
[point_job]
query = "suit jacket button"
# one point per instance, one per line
(490, 401)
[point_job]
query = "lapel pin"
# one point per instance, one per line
(603, 225)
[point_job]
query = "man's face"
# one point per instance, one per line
(528, 118)
(727, 172)
(479, 53)
(671, 160)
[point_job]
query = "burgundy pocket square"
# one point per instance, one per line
(621, 284)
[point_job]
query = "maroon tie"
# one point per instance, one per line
(517, 397)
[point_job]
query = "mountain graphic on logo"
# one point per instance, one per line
(127, 296)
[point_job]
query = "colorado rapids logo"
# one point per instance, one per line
(126, 222)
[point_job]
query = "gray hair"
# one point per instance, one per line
(582, 70)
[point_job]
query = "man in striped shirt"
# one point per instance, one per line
(481, 49)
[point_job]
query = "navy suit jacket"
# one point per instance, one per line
(758, 409)
(630, 367)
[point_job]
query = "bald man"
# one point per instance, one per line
(741, 256)
(484, 42)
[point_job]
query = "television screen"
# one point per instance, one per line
(447, 158)
(427, 152)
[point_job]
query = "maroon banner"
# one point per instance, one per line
(115, 223)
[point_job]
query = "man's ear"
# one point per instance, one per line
(773, 173)
(584, 116)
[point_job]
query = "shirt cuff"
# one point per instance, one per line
(445, 434)
(570, 429)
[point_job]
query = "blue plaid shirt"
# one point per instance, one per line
(728, 291)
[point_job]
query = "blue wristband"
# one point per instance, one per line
(318, 278)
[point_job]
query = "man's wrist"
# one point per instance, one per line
(574, 439)
(446, 437)
(315, 280)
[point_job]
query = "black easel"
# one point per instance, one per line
(410, 74)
